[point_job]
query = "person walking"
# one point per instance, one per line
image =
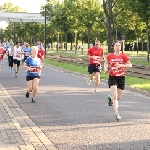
(114, 64)
(95, 54)
(33, 66)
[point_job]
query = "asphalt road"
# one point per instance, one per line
(75, 118)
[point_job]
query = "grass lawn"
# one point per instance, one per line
(130, 81)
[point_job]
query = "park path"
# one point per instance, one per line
(67, 115)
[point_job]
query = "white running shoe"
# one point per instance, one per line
(95, 91)
(118, 117)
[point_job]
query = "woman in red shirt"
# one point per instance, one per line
(117, 61)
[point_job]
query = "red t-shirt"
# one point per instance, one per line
(98, 53)
(40, 53)
(113, 59)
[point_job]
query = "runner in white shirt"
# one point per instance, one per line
(17, 57)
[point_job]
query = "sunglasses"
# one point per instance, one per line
(97, 44)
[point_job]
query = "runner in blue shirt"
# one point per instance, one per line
(33, 66)
(27, 51)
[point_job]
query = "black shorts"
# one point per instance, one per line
(94, 68)
(119, 81)
(28, 78)
(17, 62)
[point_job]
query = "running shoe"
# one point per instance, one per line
(110, 103)
(33, 100)
(118, 117)
(95, 91)
(27, 95)
(16, 74)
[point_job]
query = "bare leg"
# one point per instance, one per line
(97, 80)
(114, 98)
(35, 87)
(91, 77)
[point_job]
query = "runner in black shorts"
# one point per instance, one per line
(95, 54)
(117, 62)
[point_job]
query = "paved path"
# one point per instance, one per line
(67, 115)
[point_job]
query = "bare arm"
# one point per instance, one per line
(88, 55)
(106, 66)
(126, 65)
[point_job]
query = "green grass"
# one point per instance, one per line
(141, 59)
(135, 82)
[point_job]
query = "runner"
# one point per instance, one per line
(17, 57)
(41, 53)
(33, 66)
(1, 55)
(117, 61)
(41, 56)
(27, 51)
(10, 58)
(95, 54)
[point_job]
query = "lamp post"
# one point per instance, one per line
(116, 34)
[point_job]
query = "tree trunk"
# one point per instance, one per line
(148, 50)
(66, 41)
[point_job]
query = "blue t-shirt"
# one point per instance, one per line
(34, 63)
(27, 51)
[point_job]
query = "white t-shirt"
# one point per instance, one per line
(16, 53)
(9, 51)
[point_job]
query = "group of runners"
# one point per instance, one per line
(114, 65)
(32, 59)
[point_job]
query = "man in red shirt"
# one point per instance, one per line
(95, 54)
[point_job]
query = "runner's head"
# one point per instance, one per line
(117, 46)
(97, 43)
(34, 50)
(17, 44)
(27, 44)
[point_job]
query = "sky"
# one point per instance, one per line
(32, 6)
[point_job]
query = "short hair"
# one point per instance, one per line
(17, 43)
(114, 42)
(97, 41)
(35, 47)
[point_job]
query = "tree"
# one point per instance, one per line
(142, 8)
(109, 6)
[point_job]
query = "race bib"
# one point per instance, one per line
(17, 55)
(35, 69)
(96, 59)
